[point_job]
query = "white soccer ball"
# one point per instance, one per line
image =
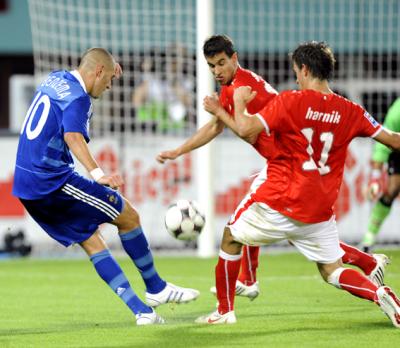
(184, 220)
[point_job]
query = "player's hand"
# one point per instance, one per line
(211, 104)
(162, 157)
(374, 190)
(114, 180)
(244, 94)
(375, 185)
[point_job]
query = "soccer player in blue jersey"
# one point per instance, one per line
(70, 207)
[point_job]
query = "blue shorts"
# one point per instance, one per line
(74, 212)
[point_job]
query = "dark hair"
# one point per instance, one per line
(317, 56)
(218, 44)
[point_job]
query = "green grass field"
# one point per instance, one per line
(62, 303)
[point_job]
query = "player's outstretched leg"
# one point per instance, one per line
(226, 273)
(109, 270)
(134, 242)
(359, 285)
(373, 266)
(247, 284)
(158, 291)
(136, 246)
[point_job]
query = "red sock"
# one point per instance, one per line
(248, 269)
(357, 284)
(358, 258)
(226, 273)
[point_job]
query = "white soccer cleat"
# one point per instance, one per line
(149, 319)
(390, 304)
(216, 318)
(250, 291)
(378, 273)
(171, 294)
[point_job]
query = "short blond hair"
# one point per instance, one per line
(96, 55)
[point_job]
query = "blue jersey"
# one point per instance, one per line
(44, 161)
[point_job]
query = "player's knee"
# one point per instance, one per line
(94, 244)
(227, 237)
(128, 219)
(334, 277)
(229, 244)
(327, 270)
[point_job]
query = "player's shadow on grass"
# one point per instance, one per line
(308, 313)
(361, 309)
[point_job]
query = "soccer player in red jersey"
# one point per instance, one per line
(222, 59)
(312, 129)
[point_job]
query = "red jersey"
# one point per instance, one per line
(312, 132)
(265, 93)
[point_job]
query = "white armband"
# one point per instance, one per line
(96, 174)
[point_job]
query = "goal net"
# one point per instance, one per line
(153, 107)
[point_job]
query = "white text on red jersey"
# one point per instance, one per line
(333, 117)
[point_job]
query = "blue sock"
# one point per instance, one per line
(137, 247)
(109, 270)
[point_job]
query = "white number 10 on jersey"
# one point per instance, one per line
(30, 115)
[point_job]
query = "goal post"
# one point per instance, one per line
(205, 86)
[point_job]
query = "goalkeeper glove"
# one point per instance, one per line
(375, 184)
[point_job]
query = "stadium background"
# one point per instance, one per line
(364, 35)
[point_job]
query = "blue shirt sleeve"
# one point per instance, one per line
(76, 117)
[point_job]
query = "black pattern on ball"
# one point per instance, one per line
(184, 220)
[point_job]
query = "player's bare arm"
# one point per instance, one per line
(212, 105)
(389, 138)
(375, 184)
(247, 125)
(78, 146)
(203, 136)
